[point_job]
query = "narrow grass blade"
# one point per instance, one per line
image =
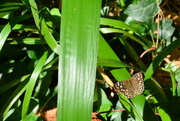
(11, 84)
(8, 28)
(49, 38)
(42, 27)
(12, 99)
(112, 30)
(31, 84)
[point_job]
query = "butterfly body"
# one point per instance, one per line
(132, 87)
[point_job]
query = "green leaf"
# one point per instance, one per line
(78, 59)
(153, 85)
(33, 117)
(117, 116)
(9, 85)
(9, 6)
(31, 84)
(49, 38)
(121, 27)
(143, 11)
(8, 28)
(13, 98)
(34, 10)
(105, 104)
(112, 30)
(111, 63)
(42, 27)
(177, 77)
(133, 54)
(137, 111)
(166, 30)
(160, 57)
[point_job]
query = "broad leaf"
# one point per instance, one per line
(143, 11)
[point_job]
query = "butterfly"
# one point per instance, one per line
(131, 87)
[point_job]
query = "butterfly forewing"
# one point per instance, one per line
(131, 87)
(137, 83)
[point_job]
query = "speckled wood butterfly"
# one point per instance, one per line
(131, 87)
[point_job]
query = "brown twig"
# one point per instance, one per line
(150, 49)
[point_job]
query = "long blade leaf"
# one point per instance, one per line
(78, 59)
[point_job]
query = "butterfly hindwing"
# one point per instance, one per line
(125, 88)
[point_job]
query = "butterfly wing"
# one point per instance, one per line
(125, 88)
(137, 83)
(131, 87)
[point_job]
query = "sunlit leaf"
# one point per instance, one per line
(143, 11)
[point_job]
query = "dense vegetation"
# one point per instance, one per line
(49, 52)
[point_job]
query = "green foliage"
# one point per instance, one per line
(77, 59)
(36, 42)
(143, 11)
